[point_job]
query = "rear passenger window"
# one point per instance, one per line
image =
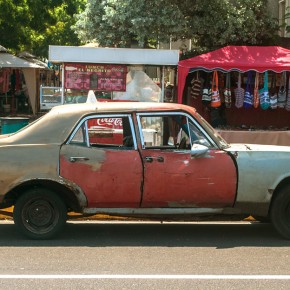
(106, 131)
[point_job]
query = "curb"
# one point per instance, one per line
(7, 214)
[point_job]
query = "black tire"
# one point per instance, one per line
(39, 214)
(280, 212)
(262, 219)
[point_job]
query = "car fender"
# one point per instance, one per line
(34, 164)
(261, 168)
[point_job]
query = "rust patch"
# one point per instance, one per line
(95, 157)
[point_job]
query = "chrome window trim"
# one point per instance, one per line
(87, 134)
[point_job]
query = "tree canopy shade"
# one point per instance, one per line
(235, 58)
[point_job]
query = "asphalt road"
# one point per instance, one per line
(142, 255)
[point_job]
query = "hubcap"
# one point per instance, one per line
(39, 216)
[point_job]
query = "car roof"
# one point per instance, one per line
(55, 126)
(116, 106)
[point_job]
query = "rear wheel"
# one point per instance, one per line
(39, 214)
(280, 212)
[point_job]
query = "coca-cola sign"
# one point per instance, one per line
(110, 122)
(115, 123)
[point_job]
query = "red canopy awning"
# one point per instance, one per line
(235, 58)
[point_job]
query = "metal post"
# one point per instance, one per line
(62, 84)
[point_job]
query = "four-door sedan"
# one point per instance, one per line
(137, 159)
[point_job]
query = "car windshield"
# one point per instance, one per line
(212, 132)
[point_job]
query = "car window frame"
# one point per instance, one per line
(115, 115)
(171, 113)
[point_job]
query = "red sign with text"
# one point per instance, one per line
(97, 77)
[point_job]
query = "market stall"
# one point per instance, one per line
(121, 74)
(17, 77)
(238, 89)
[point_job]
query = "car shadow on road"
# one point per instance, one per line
(146, 234)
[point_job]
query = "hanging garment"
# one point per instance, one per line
(282, 92)
(215, 97)
(5, 82)
(273, 94)
(227, 91)
(195, 87)
(249, 97)
(256, 92)
(264, 94)
(239, 94)
(206, 92)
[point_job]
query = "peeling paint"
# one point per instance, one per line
(110, 177)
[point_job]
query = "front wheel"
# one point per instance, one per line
(39, 214)
(280, 212)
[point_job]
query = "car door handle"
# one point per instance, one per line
(150, 159)
(74, 159)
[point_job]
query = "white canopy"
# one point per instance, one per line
(129, 56)
(9, 60)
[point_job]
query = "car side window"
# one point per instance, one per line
(172, 131)
(109, 131)
(105, 132)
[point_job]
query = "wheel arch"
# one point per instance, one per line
(73, 198)
(283, 183)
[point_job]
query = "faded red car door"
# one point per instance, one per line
(172, 177)
(106, 169)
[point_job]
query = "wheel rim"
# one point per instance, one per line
(40, 216)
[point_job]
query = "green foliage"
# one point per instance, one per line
(208, 23)
(287, 16)
(33, 25)
(123, 23)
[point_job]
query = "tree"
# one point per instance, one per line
(119, 23)
(221, 22)
(208, 23)
(34, 24)
(13, 24)
(58, 31)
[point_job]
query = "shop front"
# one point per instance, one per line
(243, 91)
(19, 79)
(113, 74)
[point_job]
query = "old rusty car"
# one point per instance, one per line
(137, 159)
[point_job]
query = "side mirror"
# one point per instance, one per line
(198, 150)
